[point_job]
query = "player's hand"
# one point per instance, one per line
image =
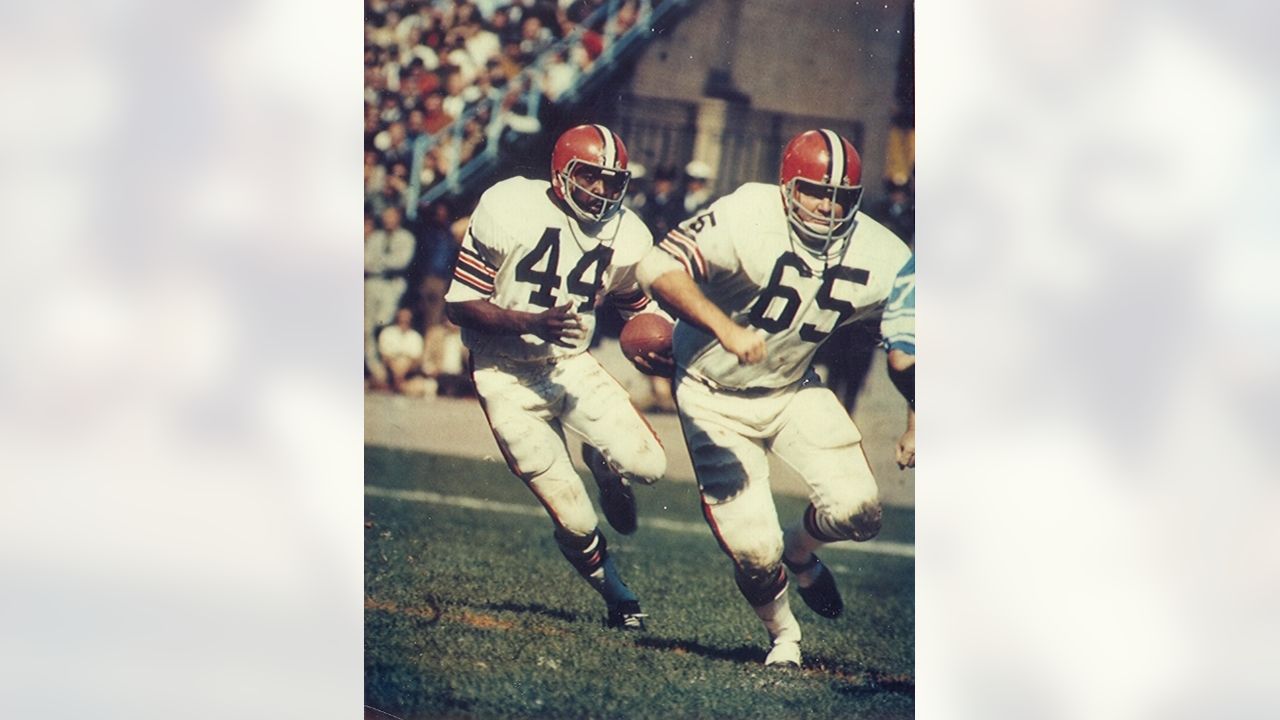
(744, 342)
(907, 449)
(662, 365)
(558, 325)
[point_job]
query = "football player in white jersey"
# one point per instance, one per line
(536, 260)
(760, 280)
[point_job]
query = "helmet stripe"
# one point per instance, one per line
(610, 147)
(837, 167)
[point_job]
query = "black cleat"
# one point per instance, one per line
(822, 596)
(626, 615)
(616, 496)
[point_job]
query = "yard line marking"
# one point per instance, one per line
(875, 547)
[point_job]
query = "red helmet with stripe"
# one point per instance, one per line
(821, 179)
(589, 172)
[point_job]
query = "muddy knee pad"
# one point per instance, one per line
(761, 586)
(859, 523)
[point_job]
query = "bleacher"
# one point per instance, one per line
(450, 84)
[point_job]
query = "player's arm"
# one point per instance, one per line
(667, 279)
(559, 325)
(902, 371)
(907, 442)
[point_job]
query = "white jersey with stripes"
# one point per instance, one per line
(523, 252)
(745, 258)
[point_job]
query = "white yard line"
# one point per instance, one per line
(875, 547)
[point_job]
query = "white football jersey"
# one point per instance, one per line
(746, 260)
(522, 252)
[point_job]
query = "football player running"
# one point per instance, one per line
(535, 261)
(759, 281)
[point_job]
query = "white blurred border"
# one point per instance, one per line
(181, 430)
(1096, 492)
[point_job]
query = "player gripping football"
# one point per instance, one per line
(759, 281)
(535, 261)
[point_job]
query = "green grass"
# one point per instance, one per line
(475, 614)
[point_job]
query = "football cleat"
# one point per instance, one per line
(626, 615)
(822, 596)
(784, 654)
(616, 496)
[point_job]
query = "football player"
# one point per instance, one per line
(759, 281)
(535, 261)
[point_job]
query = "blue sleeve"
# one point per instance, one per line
(898, 324)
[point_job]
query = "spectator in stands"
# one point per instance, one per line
(394, 144)
(627, 16)
(436, 117)
(454, 85)
(375, 176)
(637, 188)
(697, 188)
(507, 31)
(559, 75)
(437, 250)
(372, 126)
(430, 174)
(387, 254)
(420, 50)
(663, 206)
(481, 42)
(389, 107)
(417, 125)
(391, 68)
(547, 13)
(534, 38)
(473, 136)
(391, 192)
(898, 210)
(511, 60)
(400, 348)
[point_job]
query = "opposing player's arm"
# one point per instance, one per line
(906, 452)
(898, 328)
(665, 277)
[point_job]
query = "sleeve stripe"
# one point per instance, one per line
(477, 268)
(677, 253)
(466, 278)
(467, 251)
(631, 301)
(692, 247)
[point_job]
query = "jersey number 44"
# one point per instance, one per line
(541, 269)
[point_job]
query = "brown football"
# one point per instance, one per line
(646, 333)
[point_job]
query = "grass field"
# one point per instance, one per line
(470, 611)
